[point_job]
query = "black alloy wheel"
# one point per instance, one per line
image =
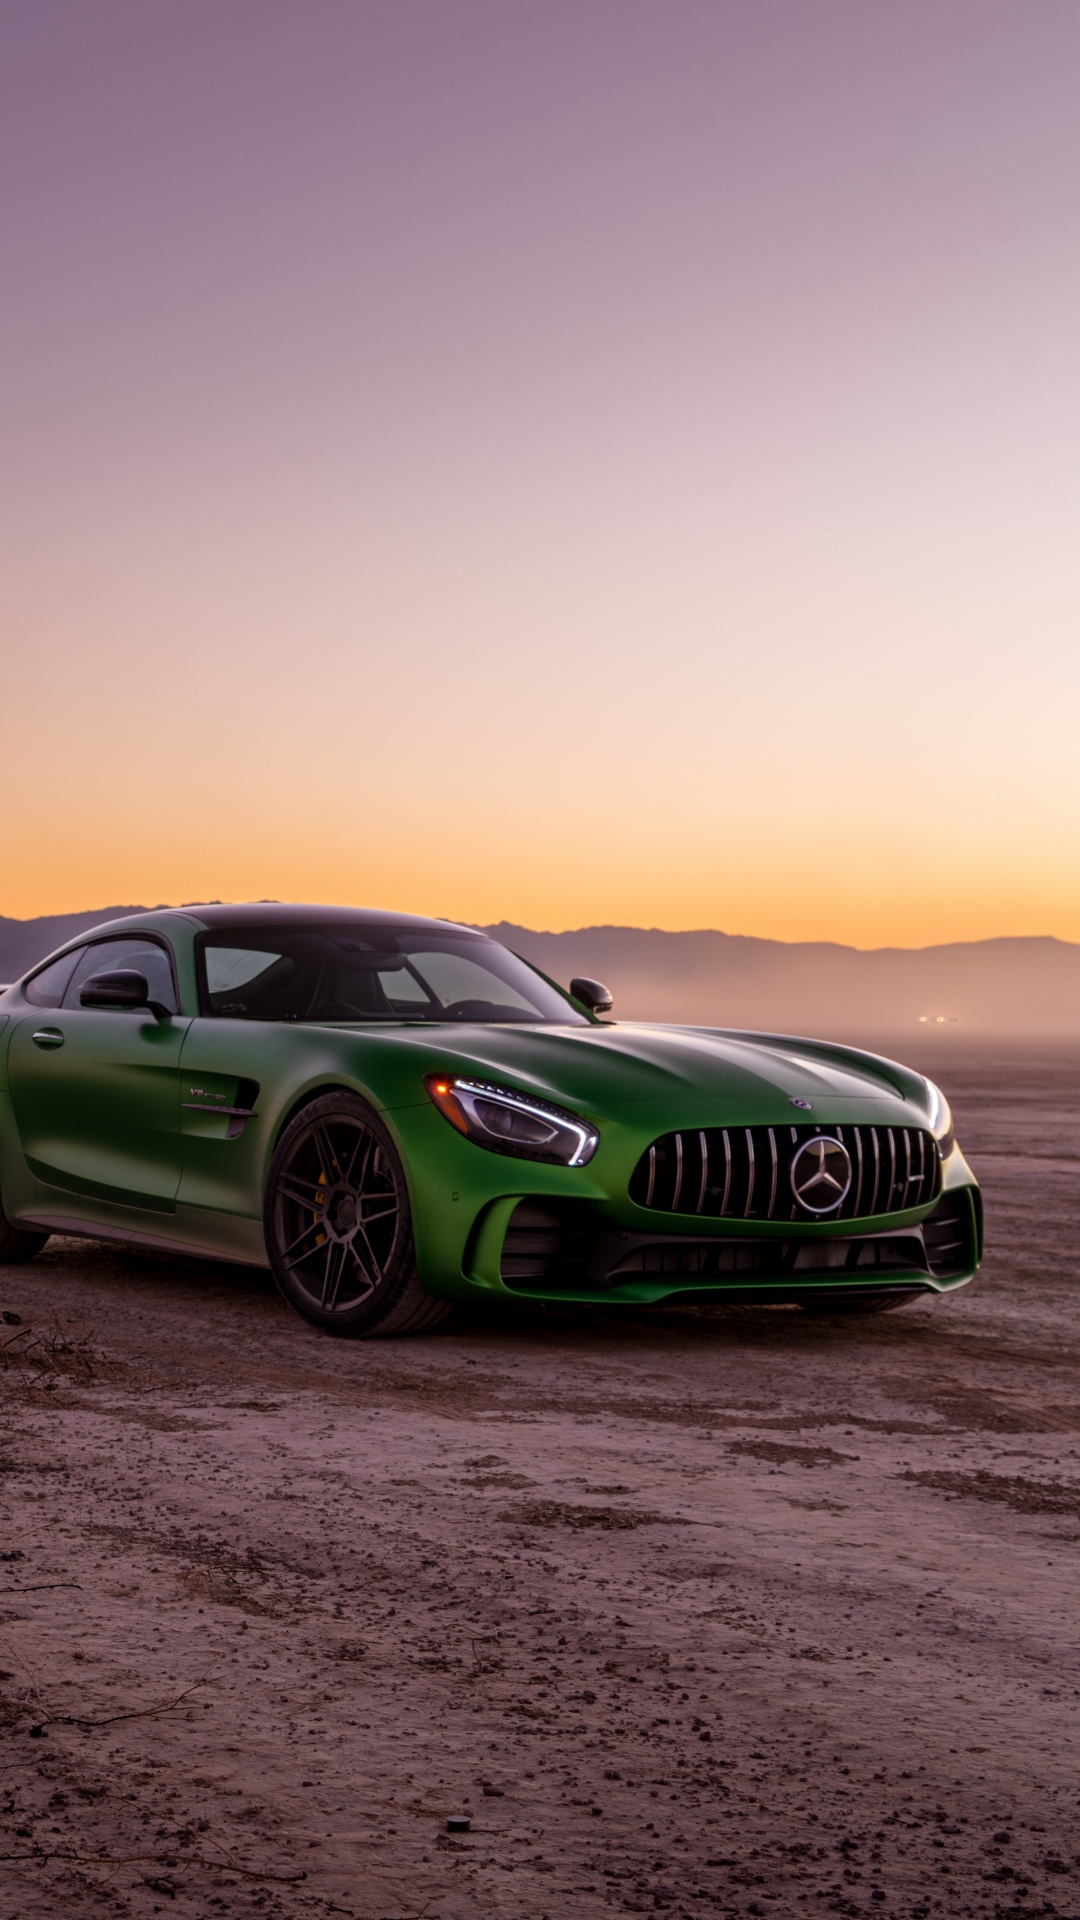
(338, 1225)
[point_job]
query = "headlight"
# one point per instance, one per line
(941, 1120)
(509, 1122)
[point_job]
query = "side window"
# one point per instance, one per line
(46, 989)
(142, 956)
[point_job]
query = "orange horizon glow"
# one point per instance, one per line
(568, 908)
(573, 466)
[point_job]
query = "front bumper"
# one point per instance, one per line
(562, 1252)
(489, 1226)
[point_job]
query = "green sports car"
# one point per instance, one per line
(395, 1113)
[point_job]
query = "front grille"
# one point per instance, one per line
(744, 1173)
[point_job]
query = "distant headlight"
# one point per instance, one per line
(941, 1120)
(508, 1122)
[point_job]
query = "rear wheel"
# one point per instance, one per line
(15, 1245)
(338, 1225)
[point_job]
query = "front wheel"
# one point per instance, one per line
(338, 1225)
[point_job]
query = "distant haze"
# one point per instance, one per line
(1022, 986)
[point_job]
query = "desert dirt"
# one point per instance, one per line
(718, 1612)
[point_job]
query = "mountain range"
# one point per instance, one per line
(1025, 986)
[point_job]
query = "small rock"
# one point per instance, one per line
(11, 1319)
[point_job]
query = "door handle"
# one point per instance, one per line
(48, 1037)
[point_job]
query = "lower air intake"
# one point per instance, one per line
(563, 1247)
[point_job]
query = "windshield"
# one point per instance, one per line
(370, 973)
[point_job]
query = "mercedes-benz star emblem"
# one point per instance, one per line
(821, 1174)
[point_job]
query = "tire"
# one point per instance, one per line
(15, 1245)
(339, 1228)
(867, 1303)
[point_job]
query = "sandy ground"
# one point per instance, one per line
(718, 1613)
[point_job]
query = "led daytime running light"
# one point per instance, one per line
(560, 1138)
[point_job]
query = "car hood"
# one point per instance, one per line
(607, 1068)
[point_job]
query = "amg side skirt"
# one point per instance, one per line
(127, 1236)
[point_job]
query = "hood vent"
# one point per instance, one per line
(745, 1173)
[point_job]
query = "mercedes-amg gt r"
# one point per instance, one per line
(396, 1113)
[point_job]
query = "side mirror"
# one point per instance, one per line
(122, 989)
(593, 996)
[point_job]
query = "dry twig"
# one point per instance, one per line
(43, 1855)
(110, 1720)
(47, 1586)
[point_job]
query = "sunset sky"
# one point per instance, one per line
(571, 463)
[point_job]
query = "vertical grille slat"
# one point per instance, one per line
(892, 1169)
(678, 1173)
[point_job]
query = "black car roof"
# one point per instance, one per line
(279, 913)
(249, 914)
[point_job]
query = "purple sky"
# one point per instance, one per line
(593, 462)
